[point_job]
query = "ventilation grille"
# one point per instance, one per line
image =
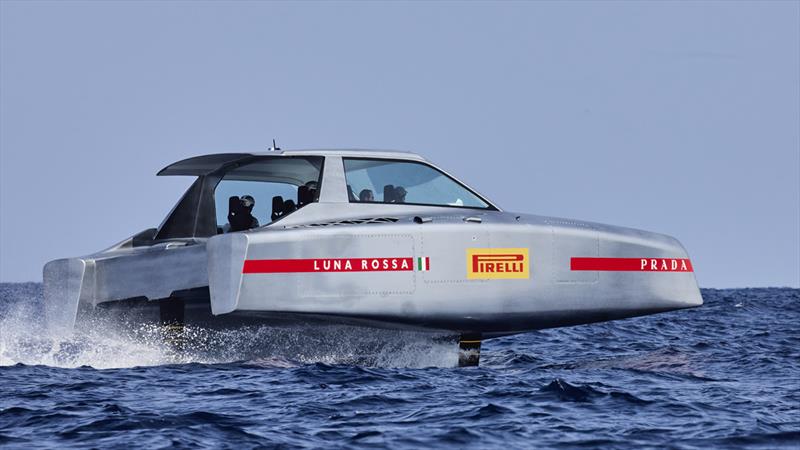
(371, 220)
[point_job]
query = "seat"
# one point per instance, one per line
(304, 196)
(277, 207)
(388, 193)
(350, 195)
(238, 218)
(289, 207)
(233, 210)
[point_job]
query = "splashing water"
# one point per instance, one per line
(104, 342)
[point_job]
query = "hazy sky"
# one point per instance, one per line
(678, 117)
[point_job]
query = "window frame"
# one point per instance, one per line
(490, 206)
(257, 158)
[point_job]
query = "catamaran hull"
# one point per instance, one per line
(493, 277)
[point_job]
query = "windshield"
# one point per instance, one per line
(389, 181)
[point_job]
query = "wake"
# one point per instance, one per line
(106, 342)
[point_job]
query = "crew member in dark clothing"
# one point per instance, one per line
(240, 215)
(248, 203)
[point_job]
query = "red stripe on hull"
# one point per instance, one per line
(328, 265)
(632, 264)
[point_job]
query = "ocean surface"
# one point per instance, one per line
(725, 375)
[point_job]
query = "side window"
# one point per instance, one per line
(265, 190)
(389, 181)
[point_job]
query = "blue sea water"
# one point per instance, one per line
(725, 375)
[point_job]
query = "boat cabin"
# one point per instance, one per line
(237, 192)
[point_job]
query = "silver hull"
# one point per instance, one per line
(442, 297)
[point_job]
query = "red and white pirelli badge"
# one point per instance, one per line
(497, 263)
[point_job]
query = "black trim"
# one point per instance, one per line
(433, 205)
(469, 350)
(188, 218)
(144, 238)
(490, 206)
(222, 160)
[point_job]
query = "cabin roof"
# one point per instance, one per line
(205, 164)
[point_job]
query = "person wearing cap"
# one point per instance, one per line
(248, 203)
(242, 216)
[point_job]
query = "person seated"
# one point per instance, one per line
(240, 215)
(388, 193)
(366, 196)
(304, 196)
(313, 187)
(399, 195)
(248, 202)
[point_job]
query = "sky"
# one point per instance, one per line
(676, 117)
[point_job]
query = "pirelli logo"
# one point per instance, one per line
(497, 263)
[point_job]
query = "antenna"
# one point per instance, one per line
(274, 146)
